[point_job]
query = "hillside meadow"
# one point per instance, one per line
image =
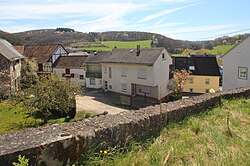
(220, 136)
(109, 45)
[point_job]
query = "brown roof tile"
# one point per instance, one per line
(70, 62)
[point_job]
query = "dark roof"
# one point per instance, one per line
(40, 54)
(8, 51)
(146, 56)
(96, 58)
(70, 62)
(203, 64)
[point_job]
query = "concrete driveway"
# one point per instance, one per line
(96, 102)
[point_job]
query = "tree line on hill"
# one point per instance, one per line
(68, 36)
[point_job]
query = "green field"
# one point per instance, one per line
(109, 45)
(220, 50)
(220, 136)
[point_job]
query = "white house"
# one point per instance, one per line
(10, 62)
(137, 72)
(71, 67)
(236, 66)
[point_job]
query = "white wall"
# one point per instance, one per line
(98, 83)
(77, 73)
(59, 52)
(161, 74)
(237, 57)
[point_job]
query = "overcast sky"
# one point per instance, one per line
(178, 19)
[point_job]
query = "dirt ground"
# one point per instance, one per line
(96, 102)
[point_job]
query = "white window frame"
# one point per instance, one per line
(124, 87)
(142, 74)
(92, 81)
(123, 72)
(241, 75)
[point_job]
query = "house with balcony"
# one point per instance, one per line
(236, 66)
(45, 55)
(71, 67)
(10, 64)
(137, 73)
(204, 73)
(93, 69)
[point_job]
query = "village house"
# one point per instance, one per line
(130, 72)
(10, 61)
(71, 67)
(45, 56)
(204, 73)
(236, 66)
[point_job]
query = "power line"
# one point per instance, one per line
(225, 34)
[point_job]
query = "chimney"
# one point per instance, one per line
(138, 50)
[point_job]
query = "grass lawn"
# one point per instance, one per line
(16, 117)
(109, 45)
(204, 139)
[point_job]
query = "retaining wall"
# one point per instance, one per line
(60, 144)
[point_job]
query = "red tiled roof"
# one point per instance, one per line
(20, 49)
(40, 54)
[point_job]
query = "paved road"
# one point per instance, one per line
(95, 103)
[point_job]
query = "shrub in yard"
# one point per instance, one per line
(52, 96)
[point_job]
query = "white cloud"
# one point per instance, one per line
(61, 10)
(164, 13)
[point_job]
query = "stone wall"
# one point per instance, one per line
(63, 143)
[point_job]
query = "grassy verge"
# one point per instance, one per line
(220, 136)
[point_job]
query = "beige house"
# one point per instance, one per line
(10, 62)
(137, 73)
(71, 67)
(45, 56)
(236, 66)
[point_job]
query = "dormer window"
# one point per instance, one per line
(191, 68)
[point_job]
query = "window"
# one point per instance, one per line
(110, 72)
(140, 91)
(207, 90)
(141, 74)
(92, 81)
(67, 71)
(163, 56)
(191, 80)
(191, 68)
(72, 75)
(191, 90)
(207, 81)
(81, 77)
(40, 67)
(110, 86)
(242, 73)
(105, 69)
(124, 87)
(124, 72)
